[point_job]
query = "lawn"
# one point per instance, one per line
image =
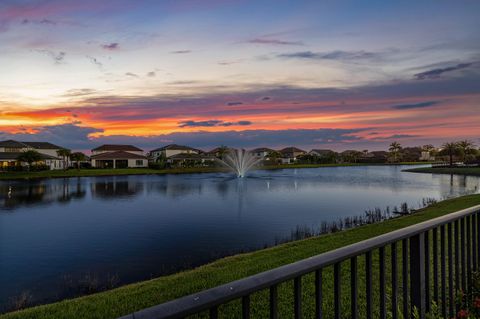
(474, 171)
(129, 298)
(149, 171)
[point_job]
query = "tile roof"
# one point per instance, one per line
(176, 147)
(117, 147)
(117, 155)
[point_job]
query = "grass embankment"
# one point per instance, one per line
(474, 171)
(149, 171)
(129, 298)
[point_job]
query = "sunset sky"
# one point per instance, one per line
(315, 74)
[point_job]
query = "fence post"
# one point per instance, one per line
(417, 274)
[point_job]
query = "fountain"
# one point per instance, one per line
(239, 161)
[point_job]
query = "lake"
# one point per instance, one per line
(64, 237)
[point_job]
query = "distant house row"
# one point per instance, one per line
(129, 156)
(10, 150)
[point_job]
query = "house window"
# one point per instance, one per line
(139, 163)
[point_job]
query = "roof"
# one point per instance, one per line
(291, 149)
(117, 155)
(117, 147)
(176, 147)
(37, 145)
(262, 149)
(321, 151)
(12, 144)
(15, 155)
(43, 145)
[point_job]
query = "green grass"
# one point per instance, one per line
(149, 171)
(129, 298)
(473, 171)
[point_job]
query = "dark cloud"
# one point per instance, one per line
(306, 138)
(332, 55)
(211, 123)
(67, 135)
(274, 41)
(401, 136)
(234, 103)
(266, 98)
(78, 138)
(131, 74)
(151, 74)
(415, 105)
(181, 51)
(42, 21)
(436, 73)
(58, 58)
(95, 61)
(111, 46)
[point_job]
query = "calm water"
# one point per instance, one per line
(56, 233)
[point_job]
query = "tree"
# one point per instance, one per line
(394, 150)
(466, 148)
(222, 151)
(274, 156)
(65, 155)
(450, 149)
(29, 157)
(78, 157)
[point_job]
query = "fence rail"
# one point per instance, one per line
(455, 238)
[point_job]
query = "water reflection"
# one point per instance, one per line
(137, 227)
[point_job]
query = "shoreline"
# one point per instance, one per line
(92, 172)
(464, 171)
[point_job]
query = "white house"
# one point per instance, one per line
(261, 152)
(290, 154)
(170, 150)
(10, 150)
(118, 156)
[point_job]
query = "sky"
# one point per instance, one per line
(314, 74)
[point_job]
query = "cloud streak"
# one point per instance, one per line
(274, 42)
(436, 73)
(331, 55)
(415, 105)
(212, 123)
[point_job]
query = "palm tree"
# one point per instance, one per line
(466, 147)
(394, 150)
(78, 157)
(450, 149)
(65, 155)
(29, 157)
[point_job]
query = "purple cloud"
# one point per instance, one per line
(274, 41)
(181, 51)
(210, 123)
(111, 46)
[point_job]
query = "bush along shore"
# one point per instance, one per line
(129, 298)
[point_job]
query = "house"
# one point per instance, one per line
(262, 152)
(170, 150)
(118, 156)
(10, 150)
(219, 152)
(290, 154)
(322, 153)
(427, 156)
(190, 160)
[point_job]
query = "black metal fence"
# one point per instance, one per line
(436, 257)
